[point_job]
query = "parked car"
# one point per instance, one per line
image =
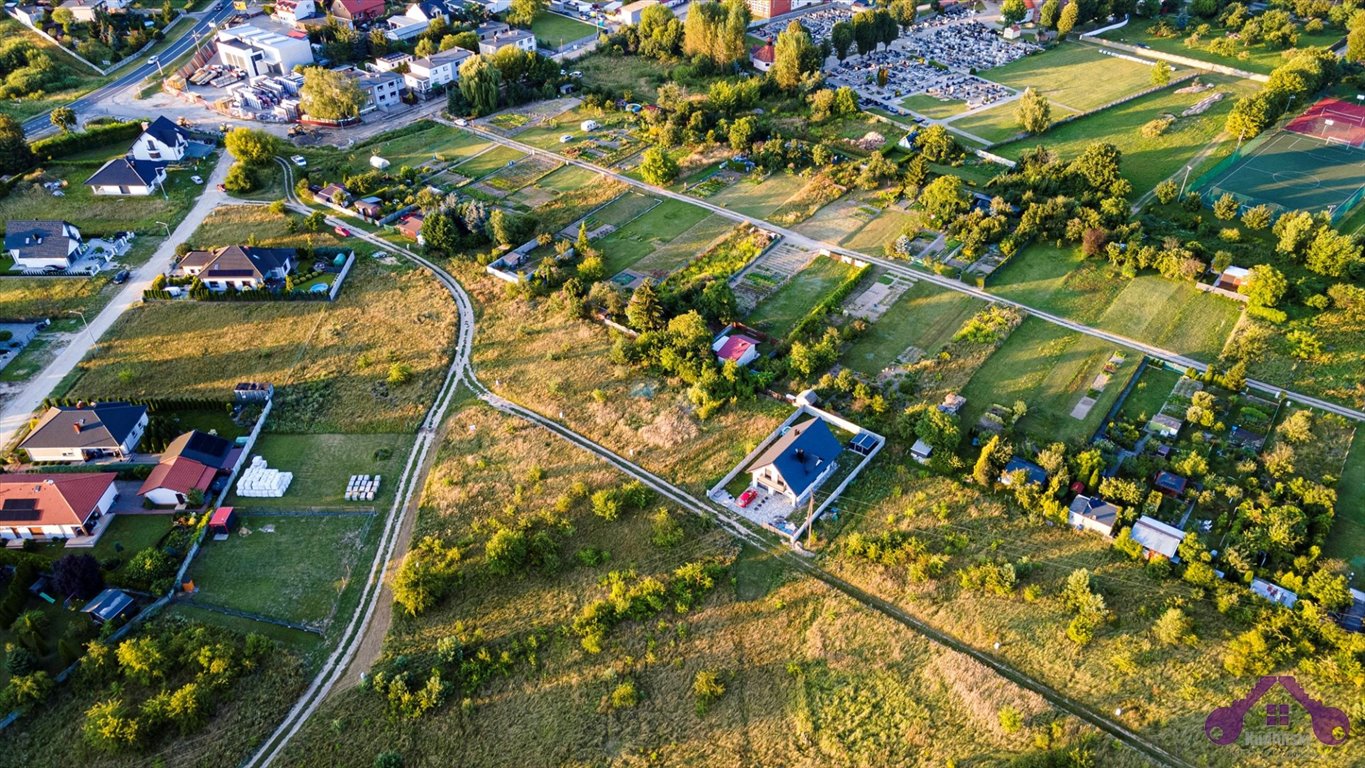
(197, 179)
(460, 121)
(747, 498)
(299, 160)
(566, 138)
(120, 277)
(53, 269)
(342, 231)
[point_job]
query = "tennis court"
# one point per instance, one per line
(1293, 171)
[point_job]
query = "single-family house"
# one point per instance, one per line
(83, 432)
(44, 507)
(427, 75)
(1157, 537)
(410, 226)
(763, 56)
(1165, 425)
(1274, 592)
(952, 403)
(108, 605)
(127, 176)
(294, 12)
(629, 14)
(1232, 278)
(369, 207)
(1032, 472)
(29, 15)
(492, 7)
(413, 21)
(1170, 483)
(353, 11)
(84, 11)
(921, 451)
(161, 141)
(797, 462)
(334, 194)
(736, 348)
(190, 463)
(237, 266)
(42, 244)
(1093, 514)
(520, 39)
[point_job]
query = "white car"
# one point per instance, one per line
(460, 121)
(299, 160)
(153, 60)
(566, 138)
(197, 179)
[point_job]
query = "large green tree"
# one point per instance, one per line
(523, 12)
(1067, 20)
(254, 148)
(658, 167)
(479, 82)
(795, 56)
(1034, 112)
(330, 95)
(15, 155)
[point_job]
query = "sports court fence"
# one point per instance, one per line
(1209, 190)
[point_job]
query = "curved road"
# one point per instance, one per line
(462, 371)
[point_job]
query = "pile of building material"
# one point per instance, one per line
(260, 481)
(362, 488)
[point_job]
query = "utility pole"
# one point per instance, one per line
(810, 520)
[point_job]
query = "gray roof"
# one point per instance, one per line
(801, 455)
(1096, 509)
(103, 425)
(108, 604)
(126, 172)
(38, 239)
(236, 261)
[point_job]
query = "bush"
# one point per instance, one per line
(94, 137)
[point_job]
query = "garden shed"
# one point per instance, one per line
(222, 522)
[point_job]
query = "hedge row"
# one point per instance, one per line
(816, 315)
(94, 137)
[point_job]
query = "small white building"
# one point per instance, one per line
(630, 14)
(125, 176)
(264, 52)
(588, 126)
(413, 21)
(921, 451)
(1158, 538)
(42, 244)
(520, 39)
(1274, 592)
(293, 12)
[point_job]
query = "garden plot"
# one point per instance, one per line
(517, 175)
(777, 314)
(662, 239)
(759, 198)
(874, 302)
(1087, 402)
(516, 120)
(488, 161)
(840, 220)
(919, 322)
(768, 273)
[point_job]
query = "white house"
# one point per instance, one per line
(264, 52)
(82, 432)
(161, 141)
(797, 462)
(383, 90)
(1157, 537)
(426, 75)
(736, 348)
(294, 11)
(630, 14)
(516, 38)
(1091, 513)
(241, 267)
(414, 21)
(126, 176)
(42, 244)
(43, 507)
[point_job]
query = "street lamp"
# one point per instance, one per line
(166, 227)
(157, 61)
(83, 323)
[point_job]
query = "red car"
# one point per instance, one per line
(747, 498)
(342, 231)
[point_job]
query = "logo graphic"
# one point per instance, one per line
(1331, 726)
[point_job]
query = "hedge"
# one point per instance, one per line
(93, 137)
(828, 304)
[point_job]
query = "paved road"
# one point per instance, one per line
(17, 409)
(902, 268)
(39, 125)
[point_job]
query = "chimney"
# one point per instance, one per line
(146, 125)
(76, 427)
(799, 453)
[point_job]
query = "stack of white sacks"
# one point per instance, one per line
(260, 481)
(362, 488)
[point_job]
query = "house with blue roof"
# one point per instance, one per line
(797, 462)
(1033, 473)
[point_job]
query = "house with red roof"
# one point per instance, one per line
(45, 507)
(762, 56)
(736, 348)
(357, 10)
(411, 227)
(188, 465)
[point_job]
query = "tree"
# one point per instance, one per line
(1332, 253)
(1034, 112)
(1166, 192)
(943, 199)
(142, 659)
(239, 179)
(1012, 11)
(427, 572)
(1161, 73)
(15, 155)
(1067, 21)
(1173, 628)
(1264, 287)
(904, 11)
(480, 82)
(255, 148)
(507, 228)
(658, 167)
(1293, 232)
(1330, 590)
(523, 12)
(63, 118)
(467, 40)
(78, 575)
(1257, 217)
(841, 37)
(425, 47)
(794, 56)
(936, 144)
(330, 95)
(985, 470)
(666, 531)
(644, 312)
(1226, 207)
(716, 31)
(742, 132)
(708, 688)
(1047, 15)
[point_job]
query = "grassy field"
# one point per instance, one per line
(925, 317)
(671, 225)
(126, 536)
(77, 78)
(554, 31)
(1146, 162)
(1050, 369)
(622, 210)
(1060, 281)
(568, 178)
(999, 123)
(330, 362)
(638, 77)
(780, 312)
(236, 224)
(322, 465)
(1172, 315)
(1347, 539)
(933, 107)
(36, 297)
(884, 228)
(1261, 58)
(479, 166)
(762, 198)
(1075, 76)
(1150, 393)
(294, 572)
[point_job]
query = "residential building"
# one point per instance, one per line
(383, 90)
(84, 432)
(108, 605)
(490, 29)
(1166, 426)
(1032, 472)
(520, 39)
(353, 11)
(42, 244)
(1232, 278)
(1093, 514)
(797, 462)
(190, 463)
(414, 21)
(128, 177)
(1157, 538)
(736, 348)
(264, 52)
(411, 227)
(1274, 592)
(294, 12)
(391, 61)
(84, 11)
(244, 268)
(161, 141)
(43, 507)
(1170, 483)
(630, 13)
(428, 75)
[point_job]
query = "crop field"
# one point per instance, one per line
(1146, 161)
(933, 107)
(485, 163)
(525, 171)
(332, 363)
(671, 231)
(1262, 58)
(1075, 76)
(925, 317)
(780, 312)
(290, 567)
(1347, 539)
(762, 198)
(322, 465)
(1173, 315)
(1050, 369)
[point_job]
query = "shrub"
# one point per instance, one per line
(708, 688)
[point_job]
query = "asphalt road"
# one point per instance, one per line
(39, 125)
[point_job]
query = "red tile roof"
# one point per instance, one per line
(358, 8)
(736, 346)
(764, 53)
(51, 499)
(180, 475)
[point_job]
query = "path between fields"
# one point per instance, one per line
(17, 409)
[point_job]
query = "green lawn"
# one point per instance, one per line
(780, 312)
(126, 536)
(322, 465)
(999, 122)
(933, 107)
(555, 31)
(1173, 315)
(481, 165)
(1259, 58)
(1074, 75)
(882, 229)
(762, 198)
(924, 316)
(1050, 369)
(637, 76)
(622, 210)
(77, 78)
(295, 572)
(668, 223)
(1058, 280)
(568, 178)
(1347, 539)
(1146, 162)
(1150, 393)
